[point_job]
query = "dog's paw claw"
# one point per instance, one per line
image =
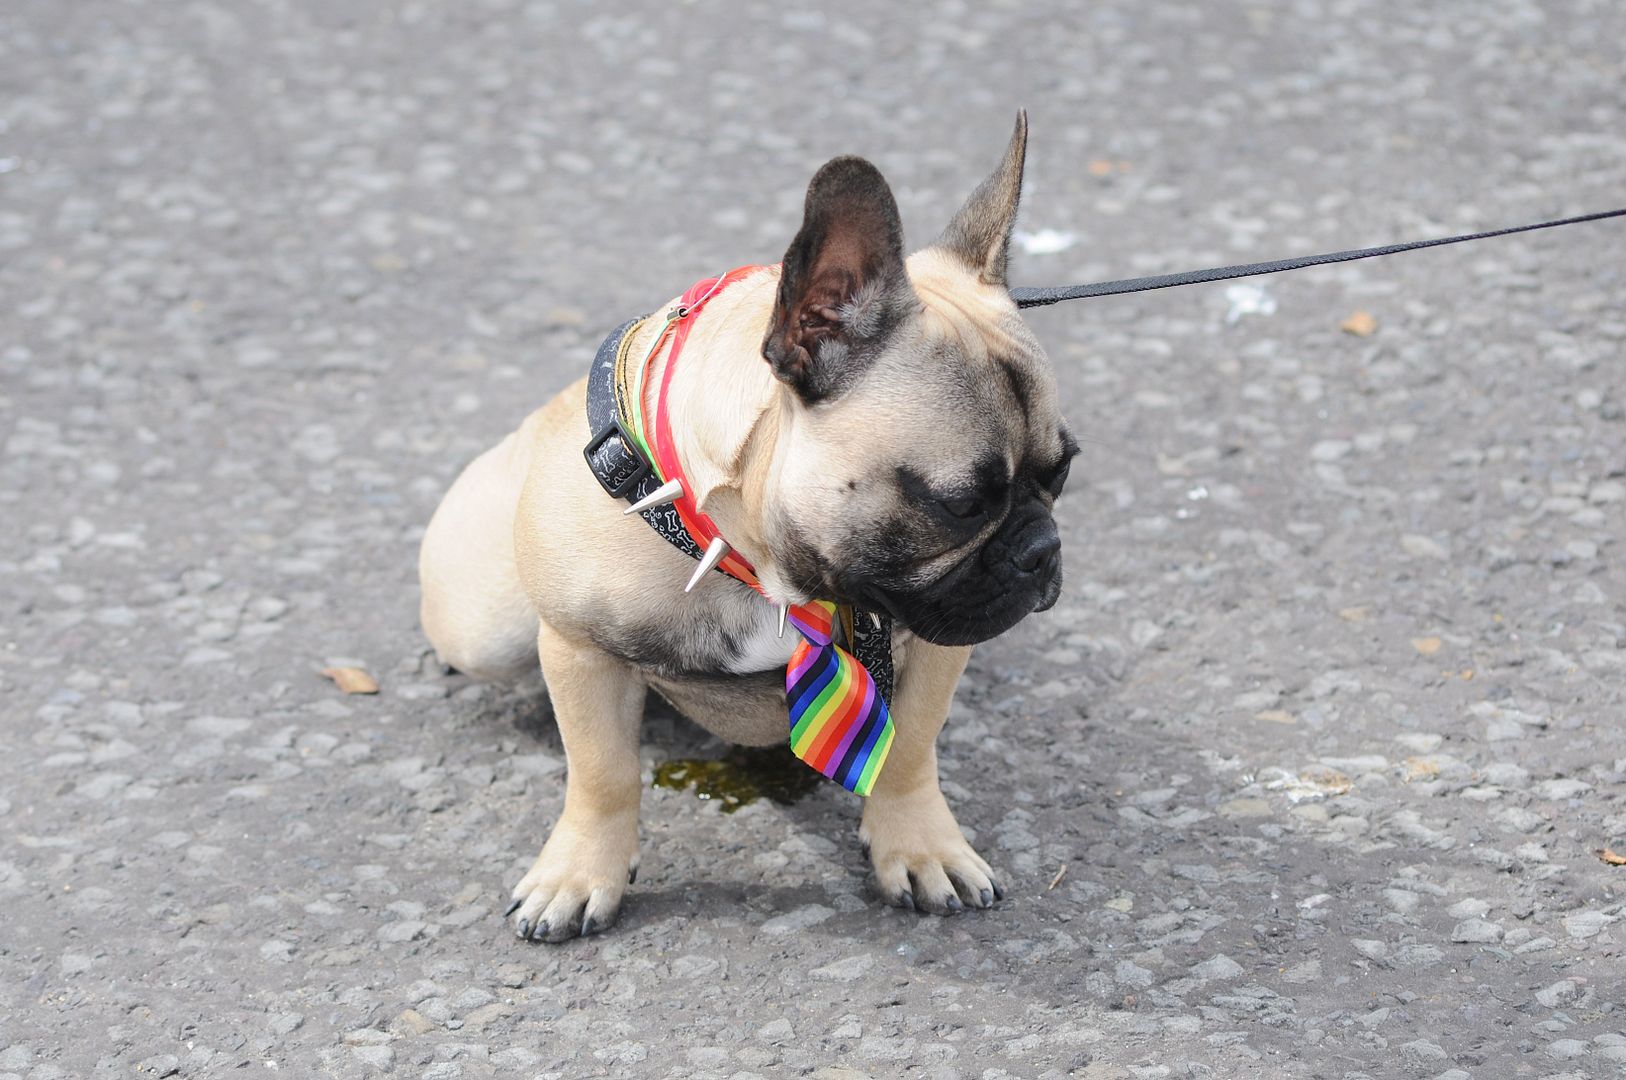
(573, 890)
(920, 853)
(513, 907)
(906, 899)
(971, 893)
(564, 931)
(566, 915)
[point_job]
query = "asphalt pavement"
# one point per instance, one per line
(1316, 771)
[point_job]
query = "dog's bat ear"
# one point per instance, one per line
(981, 232)
(842, 287)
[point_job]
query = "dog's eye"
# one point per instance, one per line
(962, 508)
(1059, 480)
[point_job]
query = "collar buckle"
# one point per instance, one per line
(617, 465)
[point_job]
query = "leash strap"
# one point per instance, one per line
(1041, 297)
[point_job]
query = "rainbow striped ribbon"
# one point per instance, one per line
(839, 723)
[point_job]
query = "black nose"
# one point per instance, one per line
(1036, 546)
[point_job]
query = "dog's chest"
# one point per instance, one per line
(761, 647)
(729, 630)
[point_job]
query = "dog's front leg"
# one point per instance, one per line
(921, 858)
(576, 884)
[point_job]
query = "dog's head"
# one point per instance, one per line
(920, 450)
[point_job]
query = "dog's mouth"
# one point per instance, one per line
(933, 621)
(966, 606)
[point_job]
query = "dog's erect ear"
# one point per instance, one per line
(981, 232)
(843, 285)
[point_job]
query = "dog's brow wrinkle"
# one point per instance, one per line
(1017, 378)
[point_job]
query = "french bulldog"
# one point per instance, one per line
(865, 428)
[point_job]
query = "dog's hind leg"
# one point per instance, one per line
(474, 609)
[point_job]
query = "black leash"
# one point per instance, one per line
(1039, 297)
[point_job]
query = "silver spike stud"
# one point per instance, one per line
(875, 620)
(708, 562)
(669, 492)
(784, 610)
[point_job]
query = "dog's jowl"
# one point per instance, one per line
(807, 490)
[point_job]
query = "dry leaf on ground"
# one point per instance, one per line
(352, 680)
(1428, 646)
(1315, 782)
(1612, 857)
(1361, 324)
(1421, 769)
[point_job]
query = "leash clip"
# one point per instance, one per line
(682, 311)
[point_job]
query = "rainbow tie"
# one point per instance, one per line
(839, 723)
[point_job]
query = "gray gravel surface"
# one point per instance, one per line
(1305, 776)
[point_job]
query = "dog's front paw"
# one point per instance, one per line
(922, 860)
(575, 886)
